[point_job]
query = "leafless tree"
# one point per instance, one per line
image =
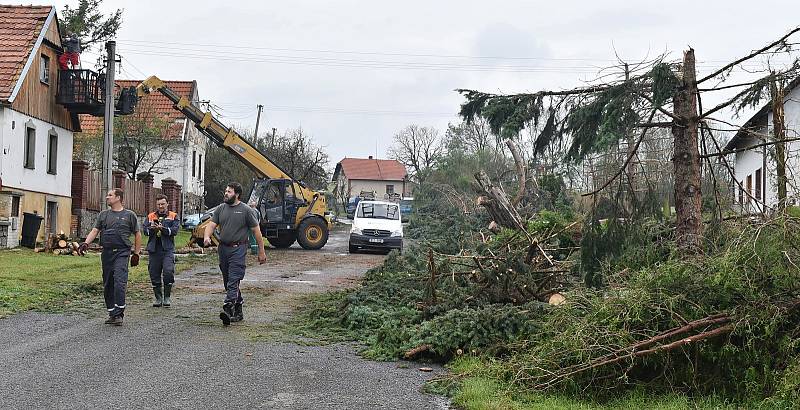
(144, 143)
(418, 148)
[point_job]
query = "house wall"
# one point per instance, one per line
(36, 186)
(792, 124)
(38, 99)
(747, 162)
(12, 171)
(379, 186)
(192, 181)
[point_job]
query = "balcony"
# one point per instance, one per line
(81, 91)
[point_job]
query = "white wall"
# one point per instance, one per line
(179, 167)
(792, 124)
(12, 170)
(748, 162)
(358, 185)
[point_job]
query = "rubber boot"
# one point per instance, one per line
(159, 300)
(227, 314)
(167, 293)
(238, 316)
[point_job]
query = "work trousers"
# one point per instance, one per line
(115, 278)
(232, 264)
(161, 262)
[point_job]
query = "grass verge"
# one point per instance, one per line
(50, 283)
(473, 385)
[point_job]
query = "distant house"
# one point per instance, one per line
(755, 167)
(36, 134)
(186, 168)
(383, 177)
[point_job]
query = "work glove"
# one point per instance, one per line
(135, 259)
(82, 248)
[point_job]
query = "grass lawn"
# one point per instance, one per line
(50, 283)
(473, 385)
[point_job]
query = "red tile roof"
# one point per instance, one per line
(20, 27)
(372, 169)
(157, 102)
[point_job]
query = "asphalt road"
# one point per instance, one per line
(182, 357)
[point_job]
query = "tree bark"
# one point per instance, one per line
(779, 134)
(497, 203)
(687, 161)
(521, 174)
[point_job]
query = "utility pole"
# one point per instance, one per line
(272, 141)
(108, 118)
(258, 119)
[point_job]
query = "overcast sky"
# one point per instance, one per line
(353, 73)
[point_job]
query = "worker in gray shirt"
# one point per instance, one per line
(235, 220)
(115, 226)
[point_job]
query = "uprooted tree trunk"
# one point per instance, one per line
(521, 172)
(502, 210)
(497, 204)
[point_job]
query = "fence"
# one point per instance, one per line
(88, 195)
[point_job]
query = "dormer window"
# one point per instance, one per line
(44, 69)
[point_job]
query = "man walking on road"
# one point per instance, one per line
(235, 220)
(115, 227)
(161, 226)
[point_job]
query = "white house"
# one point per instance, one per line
(187, 168)
(36, 134)
(755, 168)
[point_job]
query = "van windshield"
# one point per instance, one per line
(380, 211)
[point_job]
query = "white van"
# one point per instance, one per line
(376, 225)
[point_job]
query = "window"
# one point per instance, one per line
(741, 193)
(30, 147)
(389, 189)
(199, 166)
(379, 211)
(52, 153)
(749, 187)
(14, 206)
(52, 217)
(758, 184)
(194, 162)
(44, 69)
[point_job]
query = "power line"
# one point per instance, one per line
(358, 64)
(301, 50)
(227, 47)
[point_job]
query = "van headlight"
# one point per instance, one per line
(355, 230)
(396, 234)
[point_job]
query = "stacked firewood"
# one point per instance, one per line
(59, 244)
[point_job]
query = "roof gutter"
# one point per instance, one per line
(32, 56)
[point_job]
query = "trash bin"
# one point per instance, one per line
(30, 229)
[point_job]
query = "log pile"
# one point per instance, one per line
(59, 244)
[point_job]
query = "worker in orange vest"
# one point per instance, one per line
(161, 226)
